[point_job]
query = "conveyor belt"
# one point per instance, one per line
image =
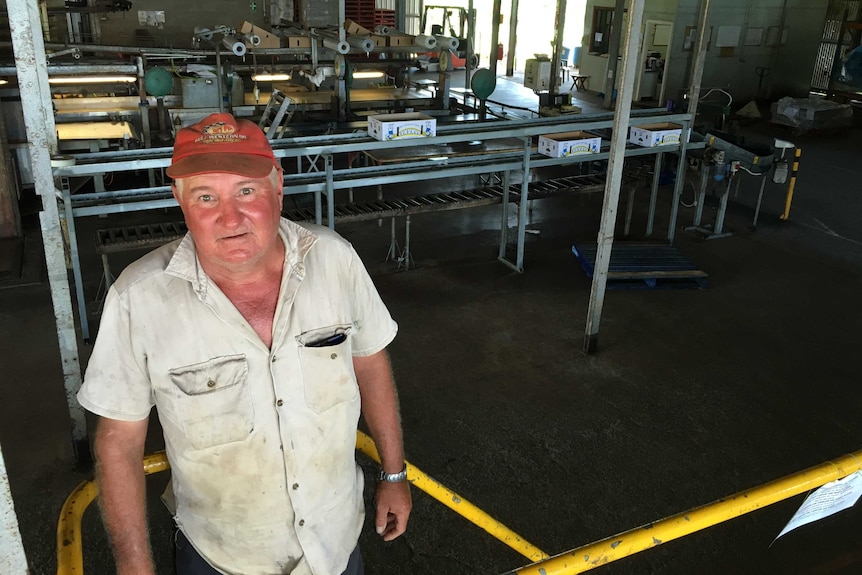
(110, 240)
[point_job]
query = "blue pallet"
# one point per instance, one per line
(644, 266)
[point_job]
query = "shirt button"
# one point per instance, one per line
(273, 359)
(295, 486)
(279, 402)
(301, 522)
(333, 356)
(211, 383)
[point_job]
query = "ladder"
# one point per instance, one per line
(275, 115)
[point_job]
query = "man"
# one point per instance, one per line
(259, 341)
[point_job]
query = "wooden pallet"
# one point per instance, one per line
(644, 266)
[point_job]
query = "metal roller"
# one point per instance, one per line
(234, 45)
(447, 42)
(381, 29)
(340, 47)
(204, 33)
(364, 44)
(425, 41)
(252, 39)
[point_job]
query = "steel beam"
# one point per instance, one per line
(694, 98)
(614, 180)
(513, 32)
(31, 64)
(559, 27)
(610, 79)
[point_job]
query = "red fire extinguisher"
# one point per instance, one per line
(499, 51)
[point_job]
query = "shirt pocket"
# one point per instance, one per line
(213, 401)
(327, 371)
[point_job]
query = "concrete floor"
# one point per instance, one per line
(693, 394)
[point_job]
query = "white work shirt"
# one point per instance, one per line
(261, 442)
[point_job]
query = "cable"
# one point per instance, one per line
(711, 90)
(693, 195)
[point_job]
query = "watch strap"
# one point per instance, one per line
(393, 477)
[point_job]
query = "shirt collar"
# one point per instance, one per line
(185, 265)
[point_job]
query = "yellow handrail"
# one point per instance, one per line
(457, 504)
(654, 534)
(70, 559)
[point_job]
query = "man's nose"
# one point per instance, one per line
(230, 215)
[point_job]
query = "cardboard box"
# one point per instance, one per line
(298, 41)
(385, 127)
(569, 144)
(400, 40)
(267, 40)
(352, 28)
(651, 135)
(378, 40)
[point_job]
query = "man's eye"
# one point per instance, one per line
(246, 191)
(205, 198)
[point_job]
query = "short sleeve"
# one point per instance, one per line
(116, 384)
(374, 327)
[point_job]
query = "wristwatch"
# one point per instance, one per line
(393, 477)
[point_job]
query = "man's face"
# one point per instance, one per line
(233, 219)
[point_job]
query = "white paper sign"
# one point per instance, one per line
(829, 499)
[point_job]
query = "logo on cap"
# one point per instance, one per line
(220, 133)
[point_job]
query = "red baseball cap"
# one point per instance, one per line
(221, 143)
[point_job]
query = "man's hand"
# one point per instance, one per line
(393, 509)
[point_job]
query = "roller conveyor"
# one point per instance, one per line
(112, 240)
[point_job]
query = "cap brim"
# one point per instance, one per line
(240, 164)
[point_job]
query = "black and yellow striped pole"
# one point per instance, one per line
(789, 199)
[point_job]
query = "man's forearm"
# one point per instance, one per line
(122, 498)
(380, 409)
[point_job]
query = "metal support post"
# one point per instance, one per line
(759, 200)
(26, 31)
(559, 27)
(701, 195)
(394, 251)
(630, 207)
(513, 31)
(680, 179)
(613, 54)
(330, 193)
(496, 9)
(653, 197)
(406, 259)
(722, 210)
(504, 216)
(471, 45)
(75, 257)
(605, 240)
(12, 558)
(789, 198)
(518, 265)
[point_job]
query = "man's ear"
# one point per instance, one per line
(280, 189)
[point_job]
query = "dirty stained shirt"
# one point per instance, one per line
(260, 441)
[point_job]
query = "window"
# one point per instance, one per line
(600, 36)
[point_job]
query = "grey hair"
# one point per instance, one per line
(276, 182)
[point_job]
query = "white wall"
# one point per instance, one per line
(595, 66)
(789, 66)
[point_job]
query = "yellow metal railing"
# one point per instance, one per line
(70, 560)
(579, 560)
(654, 534)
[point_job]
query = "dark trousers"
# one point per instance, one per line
(189, 561)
